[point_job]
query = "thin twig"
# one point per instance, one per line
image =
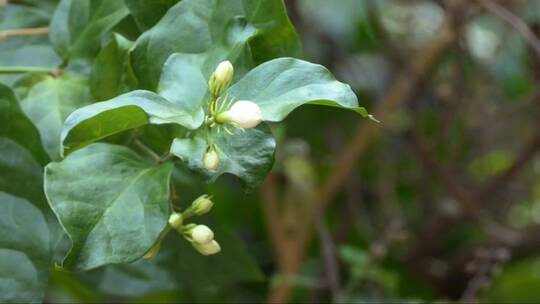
(515, 21)
(147, 150)
(448, 178)
(24, 32)
(25, 69)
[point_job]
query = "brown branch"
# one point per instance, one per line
(446, 175)
(403, 87)
(24, 32)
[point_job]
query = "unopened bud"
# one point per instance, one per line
(242, 114)
(202, 205)
(211, 159)
(175, 220)
(201, 234)
(209, 248)
(221, 78)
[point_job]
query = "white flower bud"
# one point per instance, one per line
(209, 248)
(211, 159)
(224, 72)
(242, 114)
(175, 220)
(202, 205)
(221, 78)
(201, 234)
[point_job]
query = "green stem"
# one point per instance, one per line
(24, 69)
(147, 150)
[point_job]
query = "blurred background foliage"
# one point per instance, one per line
(439, 202)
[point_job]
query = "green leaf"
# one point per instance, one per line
(198, 26)
(25, 255)
(248, 155)
(133, 280)
(15, 125)
(49, 103)
(20, 174)
(112, 204)
(112, 74)
(20, 16)
(279, 86)
(184, 79)
(183, 83)
(78, 25)
(26, 82)
(148, 12)
(130, 110)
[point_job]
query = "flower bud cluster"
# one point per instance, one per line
(202, 239)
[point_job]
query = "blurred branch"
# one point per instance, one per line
(24, 32)
(330, 259)
(446, 175)
(403, 88)
(513, 20)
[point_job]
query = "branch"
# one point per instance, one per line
(25, 69)
(147, 150)
(402, 88)
(446, 175)
(24, 32)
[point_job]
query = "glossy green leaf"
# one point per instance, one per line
(207, 23)
(184, 79)
(25, 255)
(20, 174)
(130, 110)
(78, 26)
(148, 12)
(14, 16)
(132, 280)
(49, 103)
(111, 203)
(16, 126)
(112, 74)
(184, 84)
(248, 154)
(279, 86)
(27, 81)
